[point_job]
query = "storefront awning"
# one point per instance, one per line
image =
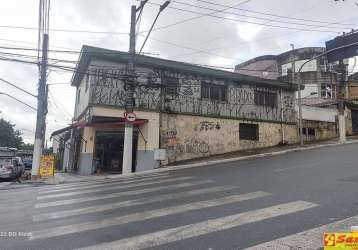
(97, 123)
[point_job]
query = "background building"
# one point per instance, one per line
(319, 97)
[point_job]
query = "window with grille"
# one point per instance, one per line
(213, 92)
(309, 131)
(249, 131)
(171, 85)
(263, 98)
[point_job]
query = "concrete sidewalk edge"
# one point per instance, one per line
(61, 179)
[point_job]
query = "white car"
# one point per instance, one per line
(11, 168)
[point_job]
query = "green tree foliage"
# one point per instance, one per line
(27, 146)
(9, 136)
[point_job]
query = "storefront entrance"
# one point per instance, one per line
(109, 151)
(355, 121)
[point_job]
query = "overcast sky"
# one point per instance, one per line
(224, 41)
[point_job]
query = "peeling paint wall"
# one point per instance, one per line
(239, 101)
(323, 130)
(187, 137)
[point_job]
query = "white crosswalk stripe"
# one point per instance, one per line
(140, 201)
(117, 179)
(89, 186)
(210, 226)
(101, 208)
(310, 239)
(136, 217)
(94, 190)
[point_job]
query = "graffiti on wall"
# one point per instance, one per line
(208, 126)
(240, 99)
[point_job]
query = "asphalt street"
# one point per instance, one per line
(278, 202)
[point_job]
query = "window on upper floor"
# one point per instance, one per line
(213, 92)
(87, 81)
(79, 95)
(171, 85)
(264, 98)
(329, 91)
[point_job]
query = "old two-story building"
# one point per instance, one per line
(187, 110)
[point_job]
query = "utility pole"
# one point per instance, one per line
(131, 82)
(41, 111)
(128, 127)
(299, 98)
(341, 108)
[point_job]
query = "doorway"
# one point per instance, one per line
(355, 121)
(109, 151)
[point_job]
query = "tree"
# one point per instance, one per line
(27, 146)
(9, 136)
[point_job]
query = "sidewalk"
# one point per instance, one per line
(257, 153)
(225, 158)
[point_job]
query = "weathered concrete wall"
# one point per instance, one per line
(188, 137)
(318, 114)
(323, 130)
(265, 68)
(239, 101)
(82, 95)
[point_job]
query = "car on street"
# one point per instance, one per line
(11, 168)
(28, 164)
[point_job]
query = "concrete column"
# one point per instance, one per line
(342, 128)
(87, 150)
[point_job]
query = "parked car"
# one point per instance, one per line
(28, 164)
(11, 168)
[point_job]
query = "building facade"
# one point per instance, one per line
(188, 111)
(318, 75)
(320, 80)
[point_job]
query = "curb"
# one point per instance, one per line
(61, 180)
(257, 156)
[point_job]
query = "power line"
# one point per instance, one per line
(255, 17)
(241, 44)
(62, 109)
(281, 16)
(12, 97)
(231, 19)
(197, 17)
(65, 30)
(13, 85)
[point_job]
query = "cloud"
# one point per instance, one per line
(225, 42)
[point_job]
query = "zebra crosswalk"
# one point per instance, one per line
(97, 207)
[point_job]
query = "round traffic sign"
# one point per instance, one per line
(131, 117)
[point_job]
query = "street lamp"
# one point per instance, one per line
(162, 7)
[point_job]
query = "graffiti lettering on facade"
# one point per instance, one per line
(240, 102)
(169, 134)
(196, 146)
(206, 126)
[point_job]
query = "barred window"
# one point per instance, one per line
(249, 131)
(171, 85)
(263, 98)
(309, 131)
(213, 92)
